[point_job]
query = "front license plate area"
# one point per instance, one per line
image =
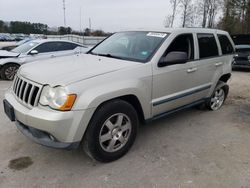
(9, 110)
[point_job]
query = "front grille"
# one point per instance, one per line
(26, 92)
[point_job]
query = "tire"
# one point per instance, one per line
(216, 101)
(111, 132)
(9, 71)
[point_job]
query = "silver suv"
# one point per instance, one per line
(97, 100)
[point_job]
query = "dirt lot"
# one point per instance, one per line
(192, 148)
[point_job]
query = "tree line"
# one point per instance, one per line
(230, 15)
(40, 28)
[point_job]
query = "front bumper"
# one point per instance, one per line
(43, 138)
(49, 127)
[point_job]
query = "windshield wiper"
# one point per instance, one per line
(106, 55)
(110, 55)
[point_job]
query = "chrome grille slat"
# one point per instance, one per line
(37, 96)
(31, 93)
(20, 90)
(26, 91)
(18, 87)
(14, 85)
(18, 83)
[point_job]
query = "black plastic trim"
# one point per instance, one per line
(181, 95)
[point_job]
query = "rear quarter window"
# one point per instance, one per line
(226, 46)
(207, 45)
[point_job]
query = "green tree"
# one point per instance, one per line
(236, 17)
(64, 30)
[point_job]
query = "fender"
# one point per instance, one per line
(95, 96)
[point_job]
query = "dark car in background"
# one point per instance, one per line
(242, 59)
(242, 45)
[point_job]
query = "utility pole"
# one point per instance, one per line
(64, 13)
(90, 24)
(80, 19)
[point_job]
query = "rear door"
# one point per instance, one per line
(208, 63)
(227, 51)
(64, 49)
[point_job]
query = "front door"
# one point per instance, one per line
(174, 85)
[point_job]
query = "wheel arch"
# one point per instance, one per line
(225, 77)
(131, 99)
(6, 64)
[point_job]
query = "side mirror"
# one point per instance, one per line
(173, 58)
(33, 52)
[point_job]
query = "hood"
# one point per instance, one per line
(7, 54)
(70, 69)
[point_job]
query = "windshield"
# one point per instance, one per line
(134, 46)
(24, 48)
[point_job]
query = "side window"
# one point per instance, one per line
(225, 44)
(46, 47)
(207, 45)
(61, 46)
(182, 43)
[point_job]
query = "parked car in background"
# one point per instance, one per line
(11, 46)
(35, 50)
(97, 99)
(5, 37)
(242, 58)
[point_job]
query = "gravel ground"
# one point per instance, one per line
(191, 148)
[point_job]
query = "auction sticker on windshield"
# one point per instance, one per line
(160, 35)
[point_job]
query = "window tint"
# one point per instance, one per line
(61, 46)
(207, 45)
(225, 44)
(46, 47)
(55, 46)
(182, 43)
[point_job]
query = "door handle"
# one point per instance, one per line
(191, 70)
(218, 64)
(52, 56)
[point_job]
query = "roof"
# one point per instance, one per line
(52, 40)
(180, 30)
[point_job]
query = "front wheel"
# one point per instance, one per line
(218, 97)
(9, 71)
(111, 132)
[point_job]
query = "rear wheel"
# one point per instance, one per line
(111, 132)
(218, 97)
(9, 71)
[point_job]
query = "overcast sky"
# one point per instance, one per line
(109, 15)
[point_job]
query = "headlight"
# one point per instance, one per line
(57, 98)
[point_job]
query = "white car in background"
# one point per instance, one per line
(35, 50)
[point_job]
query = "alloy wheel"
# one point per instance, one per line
(218, 99)
(115, 132)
